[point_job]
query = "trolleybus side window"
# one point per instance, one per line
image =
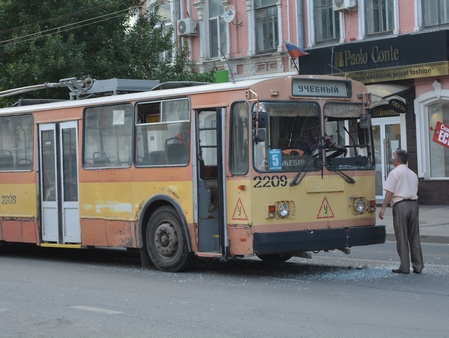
(16, 143)
(108, 136)
(163, 133)
(239, 139)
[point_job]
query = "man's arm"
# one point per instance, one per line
(388, 197)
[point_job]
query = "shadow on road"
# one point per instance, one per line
(247, 267)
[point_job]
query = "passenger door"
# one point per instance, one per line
(58, 174)
(210, 180)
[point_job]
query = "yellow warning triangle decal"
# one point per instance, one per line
(325, 210)
(239, 212)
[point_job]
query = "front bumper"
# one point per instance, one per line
(314, 240)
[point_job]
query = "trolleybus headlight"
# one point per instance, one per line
(283, 210)
(359, 205)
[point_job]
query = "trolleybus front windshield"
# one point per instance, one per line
(294, 137)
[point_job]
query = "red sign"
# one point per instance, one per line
(441, 134)
(239, 212)
(325, 210)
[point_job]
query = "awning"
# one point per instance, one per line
(385, 90)
(382, 93)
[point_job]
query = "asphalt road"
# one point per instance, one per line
(104, 293)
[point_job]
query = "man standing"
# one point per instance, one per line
(401, 189)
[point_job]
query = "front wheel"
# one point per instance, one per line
(166, 241)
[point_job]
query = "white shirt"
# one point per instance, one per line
(403, 183)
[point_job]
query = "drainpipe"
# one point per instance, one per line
(300, 23)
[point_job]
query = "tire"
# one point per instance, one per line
(166, 241)
(275, 258)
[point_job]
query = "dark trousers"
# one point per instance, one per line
(406, 230)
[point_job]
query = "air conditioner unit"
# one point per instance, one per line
(187, 26)
(342, 5)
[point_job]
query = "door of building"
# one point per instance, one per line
(387, 138)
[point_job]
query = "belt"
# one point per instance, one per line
(405, 200)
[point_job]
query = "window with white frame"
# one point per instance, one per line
(438, 153)
(435, 12)
(165, 12)
(379, 16)
(217, 29)
(266, 25)
(327, 21)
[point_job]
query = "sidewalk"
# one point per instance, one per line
(433, 223)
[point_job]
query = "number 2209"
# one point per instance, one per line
(8, 199)
(270, 181)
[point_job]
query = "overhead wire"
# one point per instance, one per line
(53, 18)
(65, 28)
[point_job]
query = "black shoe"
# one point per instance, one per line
(416, 271)
(399, 271)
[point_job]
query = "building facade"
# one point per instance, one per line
(399, 48)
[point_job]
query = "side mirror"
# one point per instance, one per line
(260, 122)
(365, 121)
(261, 135)
(262, 118)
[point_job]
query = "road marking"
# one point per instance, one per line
(96, 309)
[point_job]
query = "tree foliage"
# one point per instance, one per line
(47, 40)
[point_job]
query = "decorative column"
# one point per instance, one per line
(199, 7)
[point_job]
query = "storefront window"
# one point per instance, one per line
(438, 152)
(327, 21)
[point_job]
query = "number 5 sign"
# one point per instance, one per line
(275, 159)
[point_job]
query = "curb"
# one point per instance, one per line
(424, 239)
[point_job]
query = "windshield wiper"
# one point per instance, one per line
(295, 180)
(347, 178)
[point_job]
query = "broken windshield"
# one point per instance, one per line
(296, 139)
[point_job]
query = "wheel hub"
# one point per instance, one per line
(166, 240)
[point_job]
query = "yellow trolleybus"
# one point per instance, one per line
(277, 168)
